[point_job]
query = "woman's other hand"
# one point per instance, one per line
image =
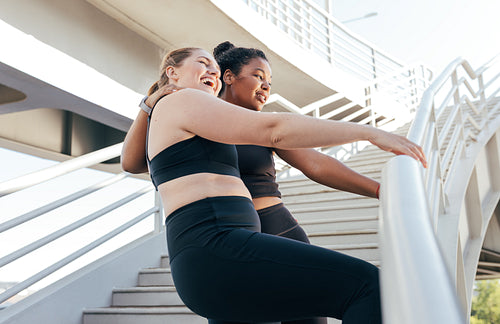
(160, 93)
(398, 145)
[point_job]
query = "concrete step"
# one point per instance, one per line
(339, 224)
(360, 236)
(155, 277)
(369, 154)
(368, 162)
(306, 214)
(135, 315)
(368, 168)
(164, 261)
(313, 201)
(308, 187)
(301, 179)
(365, 251)
(311, 187)
(318, 193)
(146, 296)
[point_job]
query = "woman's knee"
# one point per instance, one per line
(373, 278)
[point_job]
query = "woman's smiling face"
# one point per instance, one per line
(198, 71)
(252, 86)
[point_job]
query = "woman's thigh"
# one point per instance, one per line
(253, 277)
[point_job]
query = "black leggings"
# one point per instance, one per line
(224, 269)
(277, 220)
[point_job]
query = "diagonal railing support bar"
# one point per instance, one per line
(28, 180)
(58, 203)
(47, 271)
(65, 230)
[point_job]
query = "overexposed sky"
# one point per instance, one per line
(434, 32)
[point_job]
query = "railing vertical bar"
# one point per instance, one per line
(158, 214)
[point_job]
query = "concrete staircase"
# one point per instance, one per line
(337, 220)
(153, 301)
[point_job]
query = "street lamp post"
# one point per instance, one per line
(368, 15)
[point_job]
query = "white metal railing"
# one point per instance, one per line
(414, 272)
(26, 181)
(393, 98)
(451, 114)
(37, 177)
(315, 30)
(405, 86)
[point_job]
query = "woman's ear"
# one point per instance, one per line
(171, 73)
(228, 77)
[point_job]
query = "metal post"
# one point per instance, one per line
(454, 83)
(482, 99)
(374, 64)
(158, 215)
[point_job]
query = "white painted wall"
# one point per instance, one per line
(82, 31)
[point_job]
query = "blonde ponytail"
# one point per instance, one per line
(173, 58)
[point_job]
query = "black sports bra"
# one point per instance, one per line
(257, 170)
(193, 155)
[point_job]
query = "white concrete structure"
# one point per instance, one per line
(73, 71)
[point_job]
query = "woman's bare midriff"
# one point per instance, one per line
(185, 190)
(264, 202)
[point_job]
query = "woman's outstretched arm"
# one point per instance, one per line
(329, 171)
(197, 112)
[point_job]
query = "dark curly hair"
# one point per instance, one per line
(230, 57)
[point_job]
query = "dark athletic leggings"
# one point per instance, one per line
(277, 220)
(224, 269)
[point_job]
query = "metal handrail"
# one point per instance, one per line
(417, 130)
(404, 85)
(69, 228)
(60, 169)
(375, 85)
(58, 203)
(75, 255)
(413, 197)
(375, 118)
(455, 126)
(413, 273)
(316, 30)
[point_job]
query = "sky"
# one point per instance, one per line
(433, 32)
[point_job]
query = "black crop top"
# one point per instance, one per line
(257, 170)
(193, 155)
